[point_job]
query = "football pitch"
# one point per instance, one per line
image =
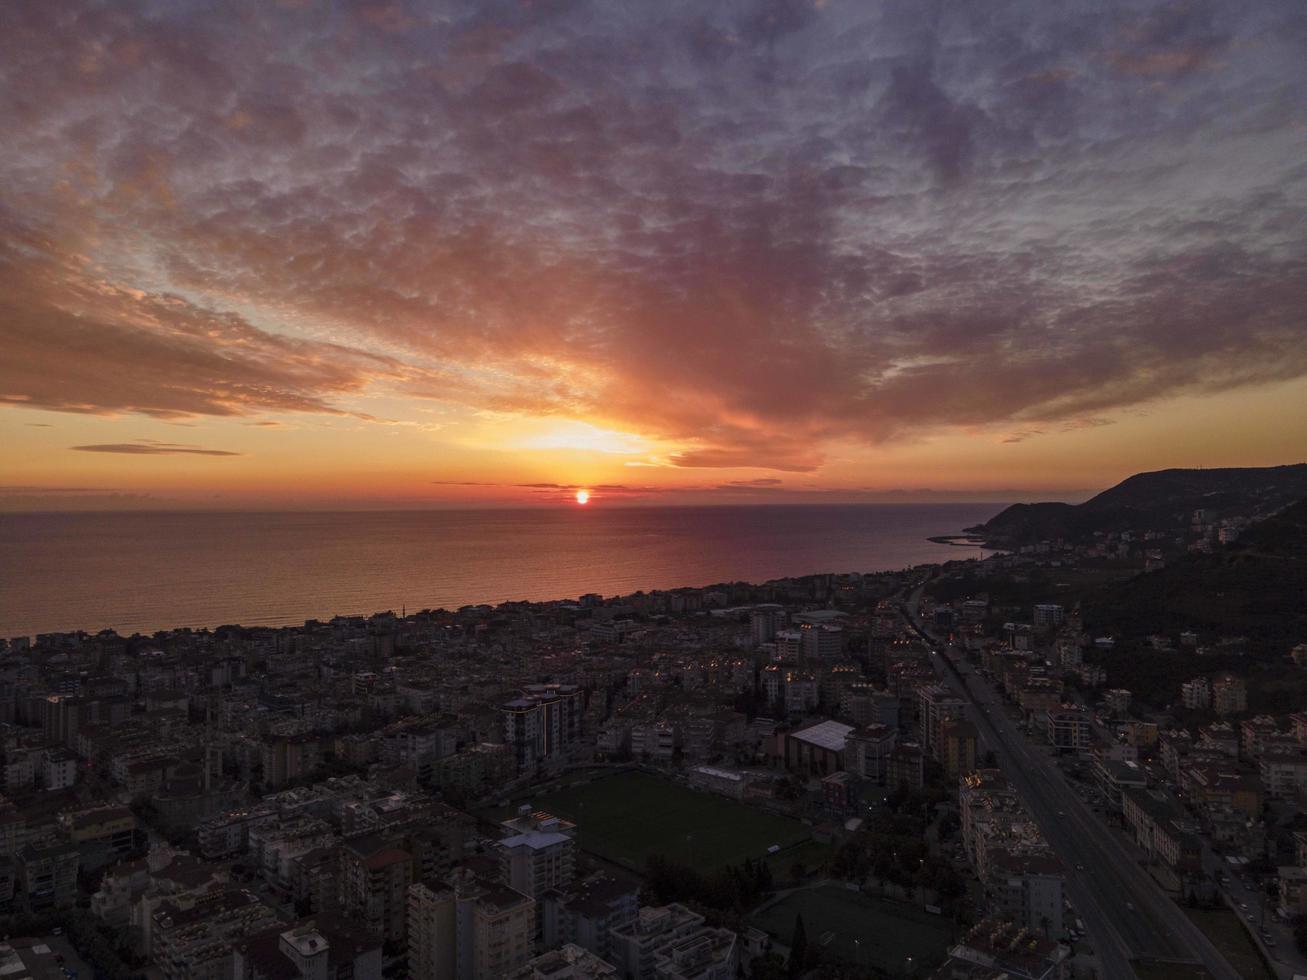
(846, 926)
(629, 815)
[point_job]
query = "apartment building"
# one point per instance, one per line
(1027, 889)
(568, 962)
(47, 874)
(936, 706)
(468, 928)
(1196, 694)
(671, 942)
(198, 942)
(867, 751)
(543, 722)
(1229, 695)
(537, 853)
(957, 748)
(375, 873)
(586, 912)
(1068, 729)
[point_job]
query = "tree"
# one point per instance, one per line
(798, 948)
(768, 966)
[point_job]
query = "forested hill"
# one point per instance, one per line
(1163, 500)
(1253, 588)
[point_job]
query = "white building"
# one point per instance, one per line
(1048, 615)
(538, 852)
(671, 942)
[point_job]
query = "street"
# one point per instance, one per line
(1125, 912)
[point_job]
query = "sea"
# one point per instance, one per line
(143, 572)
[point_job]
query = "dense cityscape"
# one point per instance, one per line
(653, 490)
(945, 772)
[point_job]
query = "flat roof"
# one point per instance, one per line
(825, 734)
(536, 839)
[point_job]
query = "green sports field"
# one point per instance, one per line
(852, 928)
(627, 816)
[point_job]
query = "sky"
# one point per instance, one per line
(316, 254)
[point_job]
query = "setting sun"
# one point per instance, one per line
(583, 496)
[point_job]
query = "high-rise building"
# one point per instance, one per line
(542, 722)
(375, 873)
(537, 853)
(764, 621)
(936, 706)
(957, 748)
(867, 751)
(1048, 615)
(290, 757)
(1196, 694)
(1229, 695)
(821, 642)
(789, 646)
(467, 928)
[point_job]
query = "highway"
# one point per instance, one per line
(1126, 914)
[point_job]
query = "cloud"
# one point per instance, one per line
(1090, 422)
(150, 448)
(754, 231)
(1170, 40)
(1021, 435)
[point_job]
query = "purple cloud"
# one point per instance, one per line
(754, 228)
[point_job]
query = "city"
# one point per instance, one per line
(893, 774)
(653, 490)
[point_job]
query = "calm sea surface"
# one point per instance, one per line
(143, 572)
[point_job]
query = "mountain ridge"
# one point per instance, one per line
(1156, 500)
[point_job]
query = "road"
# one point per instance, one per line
(1243, 899)
(1125, 912)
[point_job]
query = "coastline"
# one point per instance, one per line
(961, 541)
(155, 572)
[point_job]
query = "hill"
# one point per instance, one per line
(1254, 588)
(1164, 500)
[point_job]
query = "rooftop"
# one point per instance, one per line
(824, 734)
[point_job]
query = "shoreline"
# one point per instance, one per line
(962, 541)
(286, 603)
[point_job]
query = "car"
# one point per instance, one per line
(1244, 906)
(1251, 917)
(1080, 867)
(1130, 906)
